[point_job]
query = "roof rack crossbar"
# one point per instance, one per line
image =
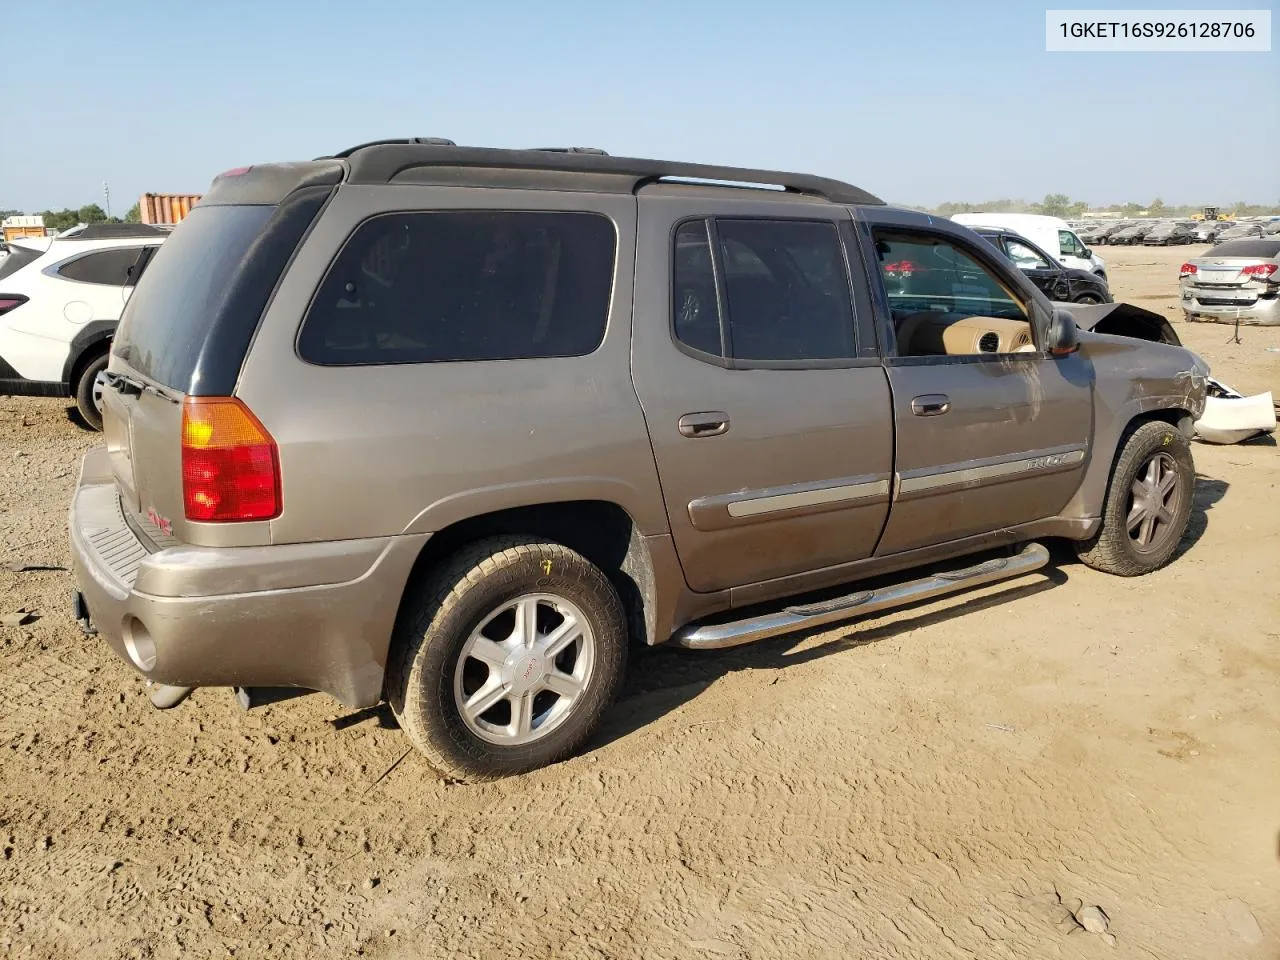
(382, 162)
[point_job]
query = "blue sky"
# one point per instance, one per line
(919, 102)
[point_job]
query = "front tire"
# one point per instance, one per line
(88, 394)
(1088, 299)
(505, 660)
(1148, 503)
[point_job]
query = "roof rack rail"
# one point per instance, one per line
(384, 161)
(429, 141)
(593, 151)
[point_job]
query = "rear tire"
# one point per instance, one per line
(86, 401)
(1088, 299)
(1148, 503)
(484, 629)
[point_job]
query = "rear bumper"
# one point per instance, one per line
(313, 615)
(1263, 311)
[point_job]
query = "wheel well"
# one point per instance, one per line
(1173, 416)
(601, 531)
(87, 356)
(1179, 419)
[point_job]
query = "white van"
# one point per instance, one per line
(1049, 233)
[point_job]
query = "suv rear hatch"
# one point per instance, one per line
(187, 328)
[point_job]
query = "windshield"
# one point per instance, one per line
(163, 328)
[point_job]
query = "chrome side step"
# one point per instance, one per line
(718, 635)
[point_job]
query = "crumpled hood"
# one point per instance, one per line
(1122, 320)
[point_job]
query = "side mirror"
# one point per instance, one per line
(1063, 336)
(1087, 253)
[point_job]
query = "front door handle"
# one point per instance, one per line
(931, 405)
(711, 423)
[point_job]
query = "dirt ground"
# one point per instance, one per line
(948, 781)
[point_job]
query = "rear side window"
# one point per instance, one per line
(18, 258)
(786, 290)
(108, 268)
(464, 285)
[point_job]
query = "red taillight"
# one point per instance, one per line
(230, 465)
(1260, 270)
(1186, 270)
(9, 302)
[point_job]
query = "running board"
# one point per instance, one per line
(718, 635)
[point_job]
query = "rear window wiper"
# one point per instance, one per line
(133, 387)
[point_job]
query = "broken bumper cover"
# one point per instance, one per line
(1230, 417)
(202, 616)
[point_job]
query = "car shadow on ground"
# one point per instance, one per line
(1208, 492)
(662, 679)
(74, 417)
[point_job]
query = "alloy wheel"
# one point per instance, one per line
(99, 387)
(1153, 502)
(522, 670)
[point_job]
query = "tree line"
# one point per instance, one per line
(90, 213)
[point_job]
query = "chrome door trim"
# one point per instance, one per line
(711, 513)
(974, 473)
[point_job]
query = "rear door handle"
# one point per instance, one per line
(931, 405)
(711, 423)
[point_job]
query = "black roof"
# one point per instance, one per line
(385, 161)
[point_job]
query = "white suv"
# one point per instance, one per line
(60, 300)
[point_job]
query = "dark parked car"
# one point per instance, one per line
(1056, 281)
(1103, 232)
(1130, 235)
(1241, 231)
(1168, 235)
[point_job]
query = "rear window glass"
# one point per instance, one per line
(464, 285)
(1246, 248)
(18, 258)
(163, 327)
(108, 268)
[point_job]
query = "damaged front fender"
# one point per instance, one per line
(1228, 416)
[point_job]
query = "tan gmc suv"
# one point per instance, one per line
(453, 427)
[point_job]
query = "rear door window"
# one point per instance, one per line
(108, 268)
(464, 285)
(787, 288)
